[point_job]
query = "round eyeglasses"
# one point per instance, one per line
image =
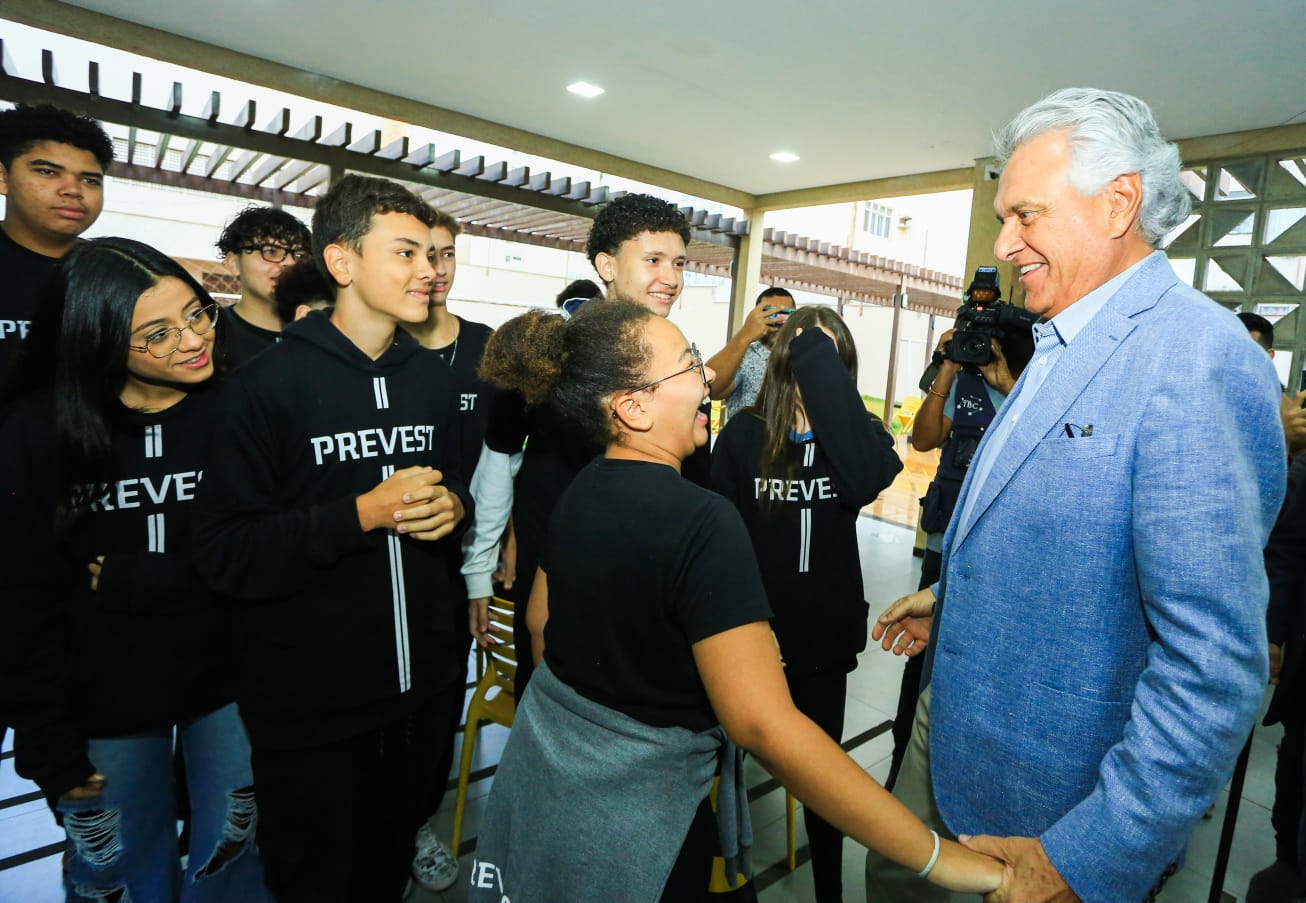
(165, 340)
(278, 253)
(697, 364)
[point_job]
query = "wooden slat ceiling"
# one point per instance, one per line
(276, 163)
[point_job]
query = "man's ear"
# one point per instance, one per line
(229, 262)
(4, 179)
(631, 412)
(1125, 194)
(605, 266)
(337, 260)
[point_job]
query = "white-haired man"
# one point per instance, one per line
(1098, 652)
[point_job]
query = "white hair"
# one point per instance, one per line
(1111, 134)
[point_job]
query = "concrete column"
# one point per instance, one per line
(746, 271)
(984, 228)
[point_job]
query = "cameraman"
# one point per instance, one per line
(961, 401)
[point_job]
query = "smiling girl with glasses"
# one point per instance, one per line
(119, 651)
(652, 644)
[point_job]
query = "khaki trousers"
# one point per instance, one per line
(887, 882)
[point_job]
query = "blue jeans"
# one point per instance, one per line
(122, 845)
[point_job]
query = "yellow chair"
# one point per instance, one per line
(905, 416)
(492, 701)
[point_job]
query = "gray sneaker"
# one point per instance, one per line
(434, 867)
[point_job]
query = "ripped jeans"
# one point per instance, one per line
(122, 846)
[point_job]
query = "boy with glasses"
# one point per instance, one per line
(257, 247)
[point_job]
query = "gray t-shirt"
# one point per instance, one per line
(748, 378)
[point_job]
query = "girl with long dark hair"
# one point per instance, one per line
(800, 465)
(652, 644)
(116, 650)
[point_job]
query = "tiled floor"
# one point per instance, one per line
(890, 570)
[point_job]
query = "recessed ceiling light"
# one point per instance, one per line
(784, 157)
(585, 89)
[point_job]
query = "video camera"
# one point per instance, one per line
(982, 317)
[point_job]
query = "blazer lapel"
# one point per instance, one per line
(1080, 362)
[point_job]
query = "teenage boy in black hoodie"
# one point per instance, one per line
(324, 513)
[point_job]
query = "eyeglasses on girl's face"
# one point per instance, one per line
(164, 340)
(696, 364)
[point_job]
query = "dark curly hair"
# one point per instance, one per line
(575, 365)
(255, 225)
(24, 126)
(628, 216)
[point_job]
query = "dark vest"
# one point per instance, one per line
(972, 413)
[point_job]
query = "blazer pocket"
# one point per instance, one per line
(1094, 446)
(1063, 739)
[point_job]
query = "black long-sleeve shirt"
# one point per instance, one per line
(804, 529)
(151, 646)
(338, 630)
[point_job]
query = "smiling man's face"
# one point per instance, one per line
(648, 269)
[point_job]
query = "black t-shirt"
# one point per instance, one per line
(641, 565)
(22, 276)
(553, 456)
(463, 355)
(239, 341)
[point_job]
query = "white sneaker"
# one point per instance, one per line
(434, 867)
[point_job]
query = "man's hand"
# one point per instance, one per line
(997, 372)
(434, 520)
(478, 622)
(904, 627)
(93, 787)
(1294, 422)
(1276, 663)
(949, 366)
(758, 322)
(1028, 876)
(411, 501)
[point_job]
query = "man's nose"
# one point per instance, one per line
(1008, 241)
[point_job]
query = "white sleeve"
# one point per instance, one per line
(492, 491)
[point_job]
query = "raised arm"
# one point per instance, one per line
(860, 450)
(726, 361)
(931, 426)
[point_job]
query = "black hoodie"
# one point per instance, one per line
(804, 530)
(149, 648)
(338, 630)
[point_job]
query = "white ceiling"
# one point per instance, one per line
(710, 88)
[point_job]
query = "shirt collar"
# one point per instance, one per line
(1074, 318)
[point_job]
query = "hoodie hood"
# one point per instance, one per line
(318, 330)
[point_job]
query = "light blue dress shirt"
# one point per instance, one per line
(1050, 340)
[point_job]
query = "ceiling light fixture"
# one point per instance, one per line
(585, 89)
(784, 157)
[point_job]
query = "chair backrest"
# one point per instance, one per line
(498, 663)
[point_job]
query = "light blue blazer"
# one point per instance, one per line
(1100, 650)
